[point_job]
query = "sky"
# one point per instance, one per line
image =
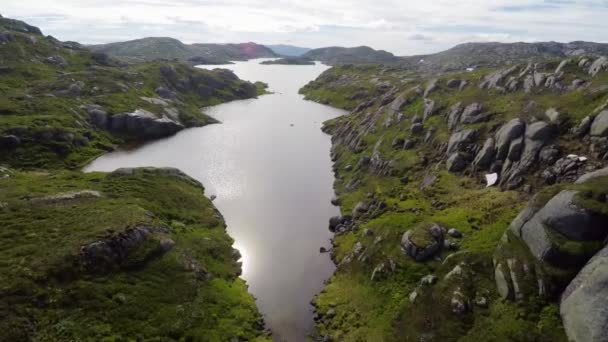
(403, 27)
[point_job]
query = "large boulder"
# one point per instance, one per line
(584, 303)
(423, 241)
(429, 109)
(431, 86)
(485, 156)
(494, 79)
(535, 138)
(417, 128)
(456, 162)
(560, 216)
(454, 83)
(583, 127)
(454, 115)
(459, 140)
(599, 65)
(551, 240)
(599, 127)
(115, 251)
(508, 132)
(471, 114)
(9, 142)
(561, 66)
(144, 125)
(98, 117)
(563, 215)
(593, 175)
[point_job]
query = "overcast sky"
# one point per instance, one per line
(399, 26)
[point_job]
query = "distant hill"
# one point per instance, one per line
(290, 61)
(496, 54)
(355, 55)
(163, 48)
(288, 50)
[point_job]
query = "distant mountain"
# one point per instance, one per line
(355, 55)
(163, 48)
(232, 52)
(288, 50)
(496, 54)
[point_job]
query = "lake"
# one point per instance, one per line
(268, 164)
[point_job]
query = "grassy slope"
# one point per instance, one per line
(46, 296)
(191, 292)
(381, 310)
(32, 95)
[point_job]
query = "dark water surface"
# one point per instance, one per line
(268, 164)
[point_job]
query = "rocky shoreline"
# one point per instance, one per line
(407, 178)
(132, 254)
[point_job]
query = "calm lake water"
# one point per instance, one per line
(268, 164)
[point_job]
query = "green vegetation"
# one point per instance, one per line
(382, 308)
(190, 291)
(132, 255)
(170, 49)
(46, 86)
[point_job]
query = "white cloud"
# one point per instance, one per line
(400, 26)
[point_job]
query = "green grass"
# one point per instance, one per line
(33, 97)
(380, 309)
(47, 295)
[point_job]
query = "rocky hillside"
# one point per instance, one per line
(137, 254)
(290, 61)
(474, 204)
(134, 254)
(355, 55)
(162, 48)
(288, 50)
(472, 55)
(62, 104)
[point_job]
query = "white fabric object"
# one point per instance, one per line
(491, 179)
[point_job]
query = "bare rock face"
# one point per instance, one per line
(486, 154)
(423, 241)
(599, 127)
(494, 80)
(593, 175)
(454, 83)
(472, 114)
(600, 64)
(561, 234)
(454, 115)
(429, 109)
(583, 127)
(460, 139)
(508, 132)
(430, 87)
(584, 303)
(535, 138)
(456, 162)
(144, 124)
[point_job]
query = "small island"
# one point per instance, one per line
(291, 61)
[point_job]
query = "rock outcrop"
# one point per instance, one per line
(599, 127)
(560, 237)
(423, 241)
(584, 303)
(141, 124)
